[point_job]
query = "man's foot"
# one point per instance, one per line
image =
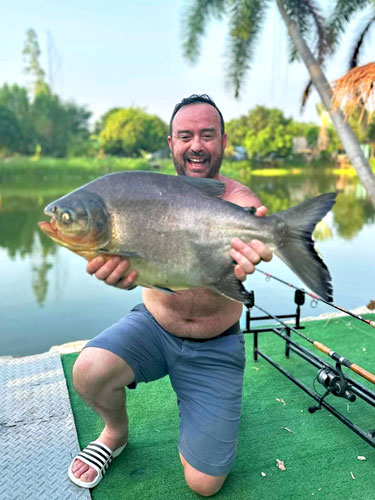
(87, 474)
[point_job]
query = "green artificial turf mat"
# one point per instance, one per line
(319, 452)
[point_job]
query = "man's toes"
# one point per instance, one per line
(81, 470)
(78, 465)
(89, 476)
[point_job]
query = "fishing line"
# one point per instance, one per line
(316, 297)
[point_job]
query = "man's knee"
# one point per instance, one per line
(98, 369)
(203, 484)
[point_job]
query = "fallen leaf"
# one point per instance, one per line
(286, 428)
(281, 401)
(255, 368)
(361, 458)
(263, 474)
(351, 473)
(280, 464)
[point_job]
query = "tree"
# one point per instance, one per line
(130, 131)
(31, 53)
(101, 123)
(16, 100)
(58, 125)
(303, 20)
(264, 132)
(9, 130)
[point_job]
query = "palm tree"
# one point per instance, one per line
(302, 19)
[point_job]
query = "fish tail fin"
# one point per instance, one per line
(296, 248)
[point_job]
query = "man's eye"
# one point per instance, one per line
(207, 137)
(184, 137)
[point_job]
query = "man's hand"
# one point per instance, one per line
(249, 255)
(111, 271)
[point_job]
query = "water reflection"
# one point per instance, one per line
(21, 207)
(40, 265)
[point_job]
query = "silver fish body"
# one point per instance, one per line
(176, 231)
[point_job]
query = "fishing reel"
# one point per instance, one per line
(335, 383)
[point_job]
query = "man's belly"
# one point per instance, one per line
(196, 313)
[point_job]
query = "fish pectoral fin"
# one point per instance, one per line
(163, 289)
(121, 253)
(232, 288)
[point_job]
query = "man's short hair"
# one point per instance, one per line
(193, 99)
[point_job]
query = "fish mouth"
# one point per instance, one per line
(49, 227)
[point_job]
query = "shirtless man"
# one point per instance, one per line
(193, 335)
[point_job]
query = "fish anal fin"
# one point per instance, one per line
(232, 288)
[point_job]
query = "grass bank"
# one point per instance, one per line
(68, 172)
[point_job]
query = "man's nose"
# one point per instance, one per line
(196, 144)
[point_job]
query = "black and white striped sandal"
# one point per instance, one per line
(98, 456)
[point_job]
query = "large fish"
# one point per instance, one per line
(176, 231)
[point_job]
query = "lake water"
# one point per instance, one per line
(47, 298)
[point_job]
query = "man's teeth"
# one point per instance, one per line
(195, 160)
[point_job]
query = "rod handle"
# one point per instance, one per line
(364, 373)
(322, 347)
(355, 368)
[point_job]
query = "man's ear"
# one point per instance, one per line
(224, 141)
(170, 142)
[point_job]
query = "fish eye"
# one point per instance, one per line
(66, 217)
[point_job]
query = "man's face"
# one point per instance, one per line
(197, 144)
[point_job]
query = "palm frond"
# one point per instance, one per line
(195, 17)
(361, 36)
(306, 94)
(299, 13)
(246, 19)
(306, 14)
(343, 13)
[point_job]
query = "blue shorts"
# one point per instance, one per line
(206, 376)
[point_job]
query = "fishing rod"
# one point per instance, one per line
(326, 350)
(316, 297)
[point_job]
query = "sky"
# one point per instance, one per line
(122, 53)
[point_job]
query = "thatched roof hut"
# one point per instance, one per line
(355, 90)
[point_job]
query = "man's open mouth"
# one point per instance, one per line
(197, 161)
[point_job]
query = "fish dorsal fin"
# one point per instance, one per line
(209, 187)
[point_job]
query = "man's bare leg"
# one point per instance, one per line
(201, 483)
(99, 377)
